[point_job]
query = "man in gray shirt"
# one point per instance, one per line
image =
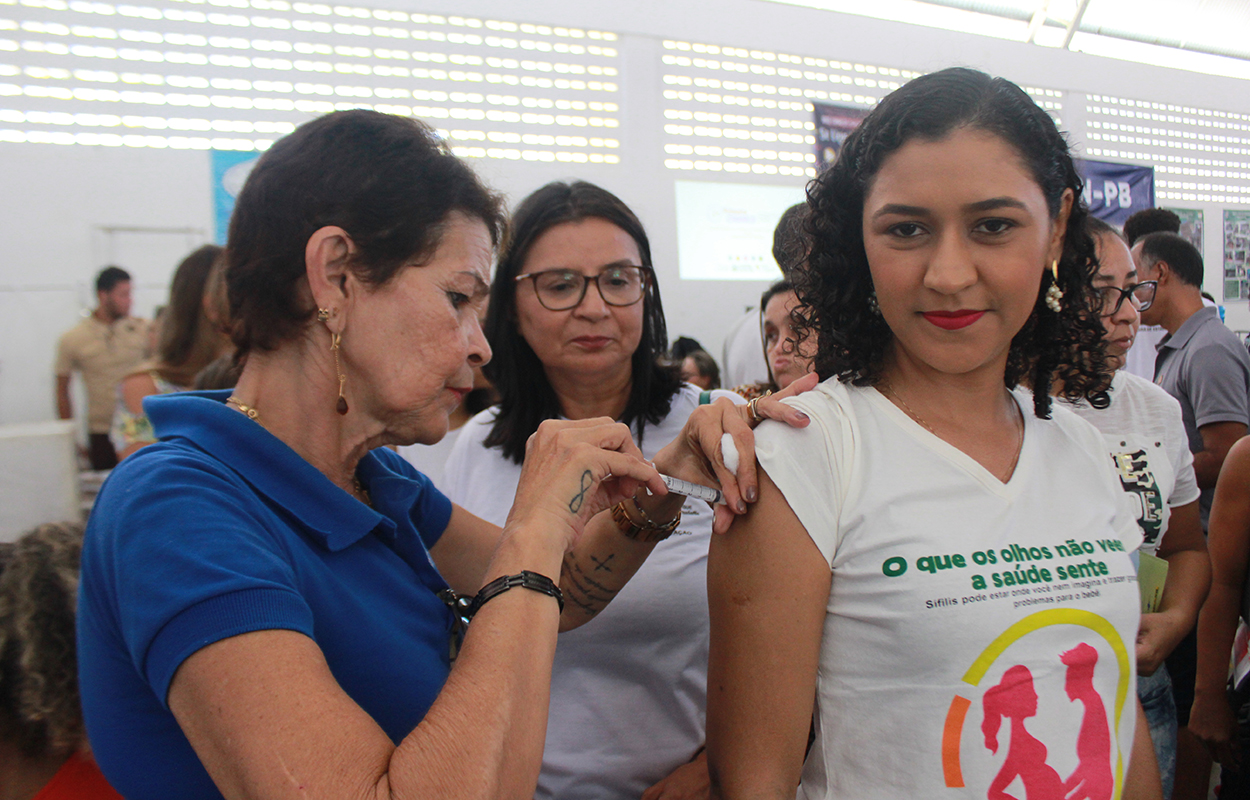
(1201, 362)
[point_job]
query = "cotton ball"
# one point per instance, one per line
(729, 452)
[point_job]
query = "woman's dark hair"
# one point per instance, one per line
(780, 287)
(836, 290)
(526, 397)
(40, 711)
(706, 365)
(388, 181)
(190, 338)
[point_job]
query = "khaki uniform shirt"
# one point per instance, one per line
(104, 354)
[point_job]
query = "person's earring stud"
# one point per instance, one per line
(341, 405)
(1054, 295)
(323, 315)
(872, 303)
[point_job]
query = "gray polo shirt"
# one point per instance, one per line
(1207, 368)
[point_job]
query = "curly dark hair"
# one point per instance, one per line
(835, 292)
(526, 397)
(40, 710)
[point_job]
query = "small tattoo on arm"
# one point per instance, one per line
(580, 590)
(588, 480)
(603, 565)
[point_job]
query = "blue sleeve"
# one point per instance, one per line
(431, 509)
(186, 555)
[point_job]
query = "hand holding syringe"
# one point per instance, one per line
(729, 452)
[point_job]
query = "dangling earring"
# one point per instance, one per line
(1054, 295)
(341, 405)
(872, 303)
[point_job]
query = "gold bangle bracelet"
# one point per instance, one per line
(649, 530)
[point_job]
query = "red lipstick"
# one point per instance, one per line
(953, 320)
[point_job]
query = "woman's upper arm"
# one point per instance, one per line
(768, 586)
(268, 720)
(136, 387)
(1229, 526)
(464, 550)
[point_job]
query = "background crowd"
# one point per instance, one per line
(422, 402)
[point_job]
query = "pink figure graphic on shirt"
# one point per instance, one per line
(1015, 698)
(1092, 779)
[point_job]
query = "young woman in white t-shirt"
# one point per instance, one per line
(940, 560)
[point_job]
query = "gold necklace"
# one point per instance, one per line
(251, 413)
(888, 388)
(254, 416)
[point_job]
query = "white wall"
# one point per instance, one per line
(56, 197)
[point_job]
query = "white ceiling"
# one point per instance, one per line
(1211, 36)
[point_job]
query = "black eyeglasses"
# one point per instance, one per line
(1141, 295)
(562, 289)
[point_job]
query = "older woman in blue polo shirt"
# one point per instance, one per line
(266, 605)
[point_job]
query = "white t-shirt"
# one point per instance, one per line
(1146, 437)
(628, 688)
(429, 459)
(941, 671)
(1140, 358)
(743, 358)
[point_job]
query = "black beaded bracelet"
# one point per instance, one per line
(526, 579)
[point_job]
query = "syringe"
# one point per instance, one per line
(695, 490)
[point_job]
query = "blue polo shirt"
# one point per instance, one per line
(220, 529)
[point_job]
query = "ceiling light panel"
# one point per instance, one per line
(84, 72)
(1199, 154)
(747, 111)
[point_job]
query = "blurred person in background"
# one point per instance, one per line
(43, 748)
(744, 343)
(699, 368)
(1141, 357)
(102, 349)
(787, 358)
(194, 331)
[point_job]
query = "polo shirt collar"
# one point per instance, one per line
(1189, 327)
(332, 516)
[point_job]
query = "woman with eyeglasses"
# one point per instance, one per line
(578, 330)
(1145, 436)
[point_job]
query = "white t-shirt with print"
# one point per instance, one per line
(628, 688)
(1146, 437)
(955, 601)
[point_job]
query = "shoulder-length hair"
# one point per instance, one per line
(190, 338)
(526, 397)
(835, 291)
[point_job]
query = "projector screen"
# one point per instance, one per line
(725, 230)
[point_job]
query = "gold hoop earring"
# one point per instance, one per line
(323, 315)
(1054, 295)
(341, 405)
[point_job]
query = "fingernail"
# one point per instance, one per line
(752, 494)
(742, 507)
(801, 416)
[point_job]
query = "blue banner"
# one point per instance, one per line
(230, 171)
(1114, 192)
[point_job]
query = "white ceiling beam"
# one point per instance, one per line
(1075, 24)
